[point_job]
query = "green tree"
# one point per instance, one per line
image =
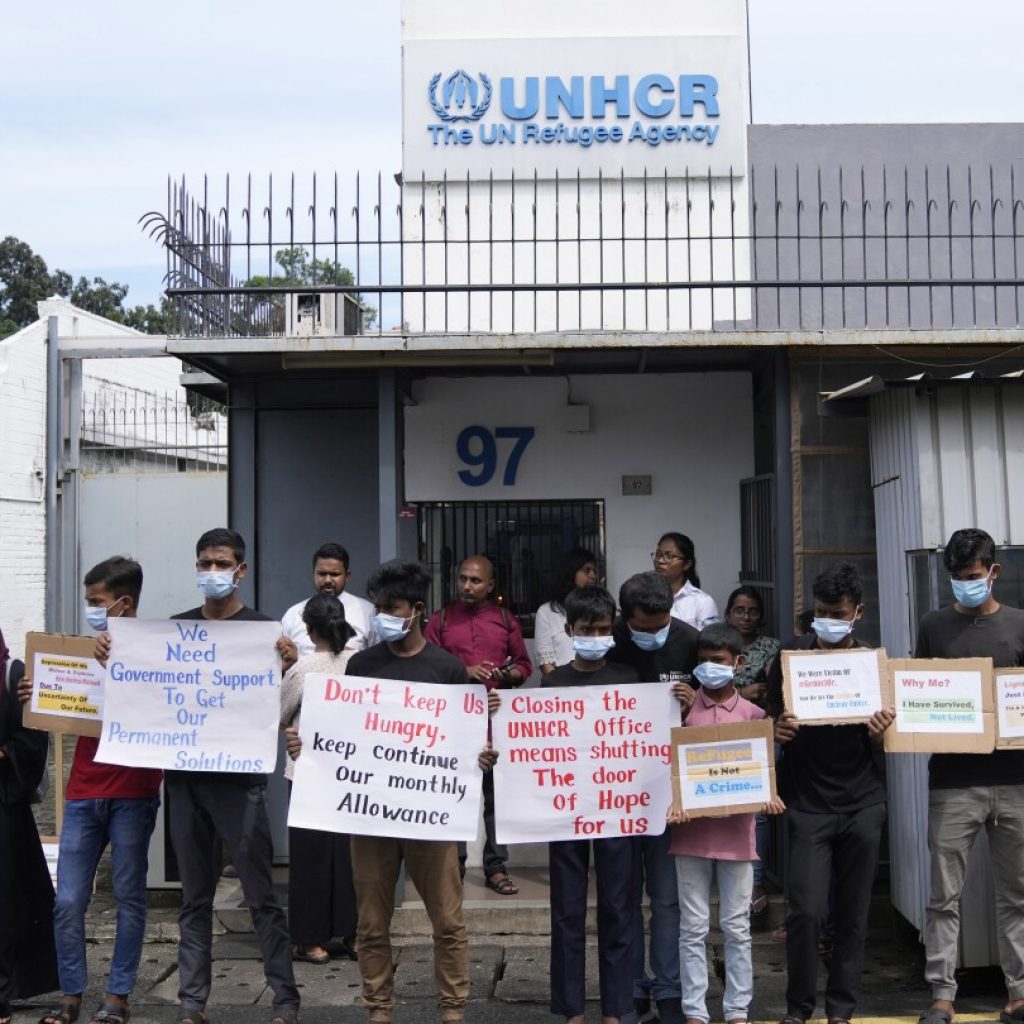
(24, 281)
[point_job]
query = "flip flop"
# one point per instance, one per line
(936, 1015)
(62, 1013)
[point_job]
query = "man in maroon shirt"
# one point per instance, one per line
(106, 804)
(489, 642)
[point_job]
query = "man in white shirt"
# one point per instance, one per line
(330, 574)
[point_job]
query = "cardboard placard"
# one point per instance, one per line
(719, 770)
(834, 687)
(1009, 693)
(67, 684)
(943, 706)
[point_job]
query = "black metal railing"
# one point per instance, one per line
(923, 247)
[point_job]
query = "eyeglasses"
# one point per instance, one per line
(665, 556)
(746, 613)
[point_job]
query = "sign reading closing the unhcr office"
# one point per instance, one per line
(192, 695)
(388, 758)
(608, 104)
(583, 762)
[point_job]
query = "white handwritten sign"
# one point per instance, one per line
(382, 757)
(831, 687)
(583, 762)
(1009, 685)
(192, 695)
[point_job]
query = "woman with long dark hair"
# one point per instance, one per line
(321, 896)
(676, 560)
(578, 568)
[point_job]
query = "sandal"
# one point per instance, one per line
(759, 905)
(111, 1013)
(502, 884)
(298, 953)
(62, 1013)
(1012, 1016)
(935, 1015)
(192, 1017)
(285, 1015)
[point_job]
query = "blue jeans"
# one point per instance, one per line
(656, 867)
(735, 881)
(89, 825)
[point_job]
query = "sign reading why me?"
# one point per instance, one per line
(381, 757)
(189, 695)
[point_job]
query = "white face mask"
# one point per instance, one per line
(832, 631)
(216, 584)
(391, 627)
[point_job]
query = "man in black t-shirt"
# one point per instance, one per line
(659, 648)
(590, 613)
(968, 792)
(398, 591)
(204, 806)
(831, 780)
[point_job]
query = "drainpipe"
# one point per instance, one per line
(53, 446)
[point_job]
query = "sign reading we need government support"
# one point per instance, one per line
(583, 762)
(201, 695)
(381, 757)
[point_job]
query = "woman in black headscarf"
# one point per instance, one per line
(28, 964)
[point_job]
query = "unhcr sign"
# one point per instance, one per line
(594, 105)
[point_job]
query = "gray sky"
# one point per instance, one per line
(100, 101)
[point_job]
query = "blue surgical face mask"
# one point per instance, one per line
(216, 584)
(96, 617)
(713, 676)
(972, 593)
(832, 631)
(592, 648)
(391, 627)
(650, 641)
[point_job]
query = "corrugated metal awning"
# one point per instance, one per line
(851, 400)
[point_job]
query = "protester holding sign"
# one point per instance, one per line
(399, 591)
(660, 648)
(106, 805)
(968, 792)
(321, 897)
(831, 780)
(590, 615)
(722, 848)
(205, 805)
(27, 960)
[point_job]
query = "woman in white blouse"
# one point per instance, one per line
(676, 560)
(578, 568)
(321, 896)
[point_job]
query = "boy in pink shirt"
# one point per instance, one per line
(722, 847)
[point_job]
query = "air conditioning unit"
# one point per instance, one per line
(313, 313)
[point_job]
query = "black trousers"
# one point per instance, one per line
(203, 806)
(821, 845)
(569, 864)
(495, 856)
(321, 896)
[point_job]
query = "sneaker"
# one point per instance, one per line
(670, 1011)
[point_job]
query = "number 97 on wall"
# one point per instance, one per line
(478, 448)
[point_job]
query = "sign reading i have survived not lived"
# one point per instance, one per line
(202, 695)
(383, 757)
(943, 706)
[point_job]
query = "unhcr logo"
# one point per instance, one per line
(462, 97)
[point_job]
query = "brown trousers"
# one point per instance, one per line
(434, 869)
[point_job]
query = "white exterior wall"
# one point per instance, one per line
(464, 228)
(939, 462)
(693, 433)
(23, 448)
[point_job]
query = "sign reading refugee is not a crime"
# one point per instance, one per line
(200, 695)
